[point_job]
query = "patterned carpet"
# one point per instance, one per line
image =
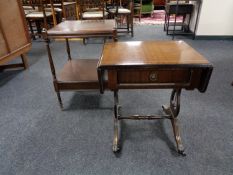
(156, 18)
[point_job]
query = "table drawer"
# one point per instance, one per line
(154, 76)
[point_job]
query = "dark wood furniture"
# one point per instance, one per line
(47, 13)
(77, 74)
(14, 37)
(152, 65)
(70, 10)
(183, 8)
(122, 11)
(84, 29)
(39, 17)
(159, 2)
(137, 7)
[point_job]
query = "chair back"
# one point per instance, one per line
(40, 5)
(91, 6)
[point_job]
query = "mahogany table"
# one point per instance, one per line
(152, 65)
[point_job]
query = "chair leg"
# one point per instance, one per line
(59, 100)
(140, 15)
(31, 30)
(38, 27)
(132, 32)
(127, 19)
(188, 29)
(165, 22)
(84, 41)
(168, 22)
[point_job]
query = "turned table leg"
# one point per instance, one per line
(116, 138)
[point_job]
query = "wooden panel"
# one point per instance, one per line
(154, 76)
(14, 36)
(3, 46)
(76, 70)
(12, 24)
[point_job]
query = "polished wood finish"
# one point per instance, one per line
(74, 75)
(146, 53)
(154, 75)
(76, 70)
(14, 37)
(152, 65)
(85, 28)
(91, 9)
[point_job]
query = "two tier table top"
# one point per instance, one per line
(83, 28)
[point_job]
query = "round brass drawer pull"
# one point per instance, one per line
(153, 76)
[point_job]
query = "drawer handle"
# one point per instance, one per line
(153, 76)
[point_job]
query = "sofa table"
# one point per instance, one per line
(152, 65)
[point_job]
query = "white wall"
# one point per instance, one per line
(216, 18)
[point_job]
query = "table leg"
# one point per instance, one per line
(68, 49)
(173, 110)
(59, 100)
(115, 35)
(116, 145)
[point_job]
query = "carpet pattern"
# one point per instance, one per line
(156, 18)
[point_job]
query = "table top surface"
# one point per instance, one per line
(73, 27)
(141, 53)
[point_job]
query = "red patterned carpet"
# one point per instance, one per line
(156, 18)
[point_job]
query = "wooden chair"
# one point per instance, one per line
(39, 16)
(121, 10)
(183, 9)
(56, 7)
(27, 7)
(68, 9)
(91, 9)
(137, 7)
